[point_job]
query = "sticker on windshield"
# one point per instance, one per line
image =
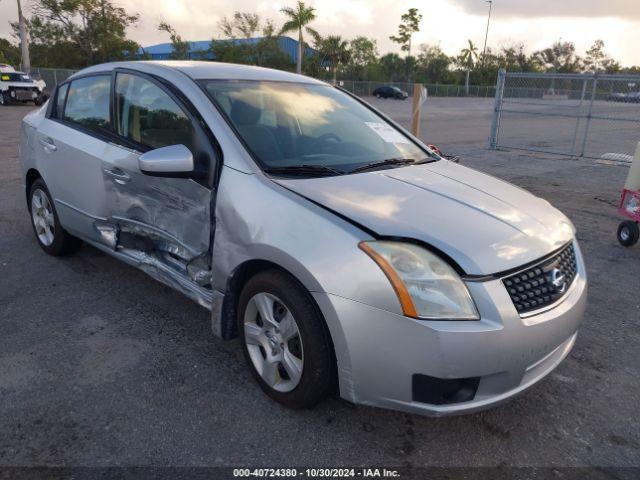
(5, 78)
(387, 133)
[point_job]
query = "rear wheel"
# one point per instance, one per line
(628, 233)
(51, 237)
(285, 340)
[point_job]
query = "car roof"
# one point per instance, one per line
(200, 70)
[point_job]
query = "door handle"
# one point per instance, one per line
(48, 145)
(119, 175)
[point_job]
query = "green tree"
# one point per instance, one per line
(392, 66)
(468, 58)
(559, 58)
(9, 53)
(513, 58)
(77, 33)
(598, 61)
(363, 55)
(298, 20)
(242, 24)
(265, 52)
(268, 51)
(434, 65)
(336, 50)
(180, 47)
(409, 24)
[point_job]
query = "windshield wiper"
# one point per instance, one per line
(389, 162)
(304, 169)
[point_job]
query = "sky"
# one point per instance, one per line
(447, 23)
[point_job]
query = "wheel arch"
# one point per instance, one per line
(31, 176)
(236, 282)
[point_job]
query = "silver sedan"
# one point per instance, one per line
(343, 252)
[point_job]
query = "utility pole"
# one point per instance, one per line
(24, 41)
(103, 35)
(486, 35)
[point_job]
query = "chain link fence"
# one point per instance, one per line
(582, 115)
(52, 76)
(365, 89)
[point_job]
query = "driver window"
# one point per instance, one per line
(147, 115)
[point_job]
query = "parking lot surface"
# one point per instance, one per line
(102, 366)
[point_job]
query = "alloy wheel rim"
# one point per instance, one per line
(42, 215)
(273, 341)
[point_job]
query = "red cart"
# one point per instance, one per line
(628, 230)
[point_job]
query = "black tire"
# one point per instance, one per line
(63, 243)
(37, 101)
(628, 233)
(4, 99)
(318, 373)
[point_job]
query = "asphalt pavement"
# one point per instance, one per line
(100, 365)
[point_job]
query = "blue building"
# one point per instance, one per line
(200, 50)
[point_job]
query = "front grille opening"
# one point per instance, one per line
(443, 391)
(544, 283)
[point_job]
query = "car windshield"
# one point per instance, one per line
(289, 125)
(16, 77)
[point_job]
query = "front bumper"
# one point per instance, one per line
(379, 352)
(22, 94)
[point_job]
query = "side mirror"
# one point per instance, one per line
(172, 161)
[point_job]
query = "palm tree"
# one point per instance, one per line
(299, 18)
(336, 50)
(468, 57)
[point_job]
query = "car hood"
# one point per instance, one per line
(486, 225)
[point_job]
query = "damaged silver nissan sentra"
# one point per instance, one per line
(341, 250)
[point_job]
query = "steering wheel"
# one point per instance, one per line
(329, 136)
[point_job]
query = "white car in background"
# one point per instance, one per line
(20, 87)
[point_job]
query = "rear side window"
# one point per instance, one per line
(147, 115)
(88, 102)
(60, 98)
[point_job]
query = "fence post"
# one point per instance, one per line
(497, 109)
(416, 107)
(579, 116)
(594, 91)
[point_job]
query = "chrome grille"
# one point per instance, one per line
(544, 283)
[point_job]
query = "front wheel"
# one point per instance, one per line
(285, 340)
(4, 99)
(628, 233)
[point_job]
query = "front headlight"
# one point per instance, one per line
(427, 287)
